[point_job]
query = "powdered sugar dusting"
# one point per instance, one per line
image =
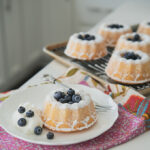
(145, 39)
(105, 27)
(72, 126)
(145, 24)
(85, 49)
(140, 75)
(75, 38)
(118, 55)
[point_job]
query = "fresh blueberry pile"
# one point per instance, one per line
(70, 97)
(115, 26)
(87, 37)
(131, 55)
(37, 130)
(136, 38)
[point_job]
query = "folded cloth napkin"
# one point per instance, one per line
(133, 120)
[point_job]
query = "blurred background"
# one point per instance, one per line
(28, 25)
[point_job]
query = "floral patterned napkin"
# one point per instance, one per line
(133, 120)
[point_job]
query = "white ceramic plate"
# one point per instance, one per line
(36, 96)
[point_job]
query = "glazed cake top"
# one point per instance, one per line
(128, 38)
(114, 27)
(80, 38)
(85, 99)
(141, 57)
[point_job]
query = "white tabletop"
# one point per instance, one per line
(129, 13)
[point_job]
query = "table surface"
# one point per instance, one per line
(137, 11)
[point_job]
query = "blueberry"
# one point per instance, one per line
(58, 95)
(50, 135)
(137, 56)
(129, 39)
(70, 102)
(76, 98)
(93, 37)
(70, 92)
(120, 26)
(126, 55)
(68, 98)
(30, 113)
(63, 94)
(117, 26)
(22, 122)
(63, 100)
(21, 109)
(110, 26)
(38, 130)
(80, 37)
(88, 39)
(131, 55)
(86, 36)
(137, 37)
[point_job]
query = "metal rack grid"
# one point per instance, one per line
(97, 67)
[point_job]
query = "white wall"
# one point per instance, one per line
(31, 19)
(28, 25)
(56, 20)
(2, 60)
(88, 12)
(2, 77)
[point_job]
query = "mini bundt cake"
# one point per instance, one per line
(112, 32)
(134, 41)
(144, 28)
(130, 67)
(68, 110)
(86, 46)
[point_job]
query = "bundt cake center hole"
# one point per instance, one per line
(115, 26)
(131, 55)
(87, 37)
(135, 38)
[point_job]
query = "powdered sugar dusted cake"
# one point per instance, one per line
(134, 41)
(130, 67)
(68, 110)
(112, 32)
(86, 46)
(144, 27)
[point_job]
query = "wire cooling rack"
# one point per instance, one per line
(95, 67)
